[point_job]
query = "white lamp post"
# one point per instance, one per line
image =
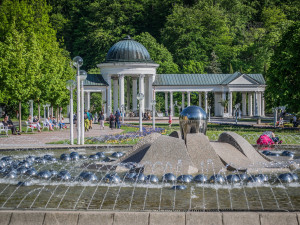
(140, 97)
(44, 112)
(237, 106)
(153, 103)
(71, 86)
(48, 105)
(83, 76)
(209, 107)
(77, 62)
(31, 108)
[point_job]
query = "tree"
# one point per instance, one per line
(283, 80)
(214, 66)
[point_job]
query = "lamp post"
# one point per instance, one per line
(153, 103)
(140, 97)
(77, 62)
(237, 106)
(83, 76)
(44, 112)
(47, 105)
(122, 110)
(31, 108)
(209, 107)
(71, 86)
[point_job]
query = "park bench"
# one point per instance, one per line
(3, 129)
(30, 126)
(160, 114)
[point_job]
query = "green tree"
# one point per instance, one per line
(283, 79)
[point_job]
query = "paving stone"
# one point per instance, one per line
(27, 218)
(99, 218)
(63, 218)
(278, 218)
(203, 218)
(167, 218)
(5, 218)
(238, 218)
(131, 218)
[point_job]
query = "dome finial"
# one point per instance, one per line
(127, 37)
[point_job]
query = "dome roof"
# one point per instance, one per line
(128, 50)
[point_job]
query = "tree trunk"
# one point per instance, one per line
(39, 111)
(20, 116)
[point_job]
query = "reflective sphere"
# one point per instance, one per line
(232, 178)
(30, 158)
(217, 179)
(266, 152)
(64, 175)
(117, 154)
(263, 177)
(40, 160)
(94, 157)
(255, 180)
(169, 177)
(285, 178)
(100, 154)
(65, 157)
(82, 157)
(107, 159)
(74, 156)
(11, 175)
(184, 179)
(31, 172)
(274, 154)
(192, 120)
(200, 178)
(24, 183)
(88, 176)
(25, 164)
(152, 179)
(53, 172)
(45, 174)
(21, 170)
(179, 187)
(140, 177)
(288, 154)
(112, 178)
(242, 176)
(130, 176)
(3, 163)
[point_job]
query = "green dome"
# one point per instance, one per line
(128, 50)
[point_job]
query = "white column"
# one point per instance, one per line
(128, 93)
(206, 102)
(244, 104)
(121, 91)
(166, 102)
(171, 103)
(200, 99)
(104, 103)
(141, 90)
(188, 98)
(258, 103)
(88, 96)
(250, 104)
(146, 92)
(150, 90)
(217, 105)
(183, 101)
(223, 99)
(116, 102)
(108, 96)
(134, 94)
(255, 104)
(230, 103)
(262, 104)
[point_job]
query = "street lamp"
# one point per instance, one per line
(47, 105)
(153, 103)
(71, 86)
(83, 76)
(140, 97)
(44, 112)
(77, 63)
(209, 107)
(31, 108)
(237, 106)
(122, 111)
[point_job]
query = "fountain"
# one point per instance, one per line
(183, 171)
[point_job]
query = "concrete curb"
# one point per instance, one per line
(11, 217)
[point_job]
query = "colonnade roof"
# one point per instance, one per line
(205, 79)
(95, 80)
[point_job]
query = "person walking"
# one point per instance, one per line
(101, 119)
(111, 121)
(90, 117)
(117, 119)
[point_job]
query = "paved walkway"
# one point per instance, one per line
(40, 139)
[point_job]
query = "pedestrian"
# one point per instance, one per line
(101, 119)
(117, 119)
(86, 120)
(170, 119)
(111, 121)
(90, 117)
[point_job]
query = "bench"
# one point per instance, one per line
(160, 114)
(3, 129)
(30, 126)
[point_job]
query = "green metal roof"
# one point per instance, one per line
(95, 80)
(201, 79)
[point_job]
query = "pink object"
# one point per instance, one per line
(265, 140)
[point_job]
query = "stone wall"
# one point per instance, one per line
(147, 218)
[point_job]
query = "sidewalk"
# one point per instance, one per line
(40, 139)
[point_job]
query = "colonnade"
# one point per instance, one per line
(254, 107)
